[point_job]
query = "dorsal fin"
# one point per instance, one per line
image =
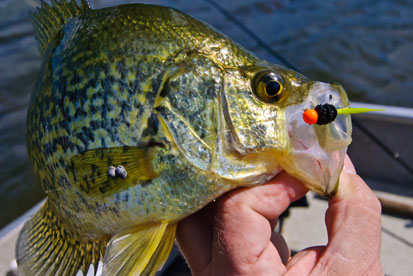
(48, 20)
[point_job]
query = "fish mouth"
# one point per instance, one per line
(317, 152)
(319, 171)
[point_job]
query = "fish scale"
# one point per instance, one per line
(179, 108)
(78, 128)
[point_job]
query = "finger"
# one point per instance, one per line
(194, 238)
(243, 230)
(354, 229)
(281, 245)
(353, 222)
(271, 199)
(304, 261)
(279, 242)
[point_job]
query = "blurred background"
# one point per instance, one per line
(367, 46)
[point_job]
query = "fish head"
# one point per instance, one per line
(265, 106)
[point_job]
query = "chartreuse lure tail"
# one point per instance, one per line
(350, 110)
(327, 113)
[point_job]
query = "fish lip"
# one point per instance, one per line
(331, 194)
(334, 191)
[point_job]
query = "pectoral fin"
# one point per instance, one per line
(139, 251)
(91, 168)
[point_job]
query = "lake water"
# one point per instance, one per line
(365, 45)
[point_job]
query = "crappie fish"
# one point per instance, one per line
(140, 116)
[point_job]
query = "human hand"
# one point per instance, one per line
(234, 236)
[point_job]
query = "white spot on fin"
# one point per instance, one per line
(121, 238)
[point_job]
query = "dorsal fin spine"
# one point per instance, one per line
(69, 8)
(61, 8)
(48, 20)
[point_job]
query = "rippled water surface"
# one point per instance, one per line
(365, 45)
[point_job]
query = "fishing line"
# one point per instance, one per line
(393, 154)
(383, 146)
(251, 34)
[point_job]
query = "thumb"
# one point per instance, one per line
(354, 233)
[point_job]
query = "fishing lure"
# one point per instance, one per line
(327, 113)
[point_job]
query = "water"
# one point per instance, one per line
(365, 45)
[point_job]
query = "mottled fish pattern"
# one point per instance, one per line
(161, 94)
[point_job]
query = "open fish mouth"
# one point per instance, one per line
(317, 152)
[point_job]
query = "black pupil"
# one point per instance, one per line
(272, 88)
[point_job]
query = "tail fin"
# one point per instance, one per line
(139, 251)
(49, 20)
(45, 247)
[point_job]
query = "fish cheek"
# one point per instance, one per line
(257, 125)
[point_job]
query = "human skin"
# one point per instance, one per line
(234, 235)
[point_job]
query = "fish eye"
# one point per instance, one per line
(272, 88)
(268, 87)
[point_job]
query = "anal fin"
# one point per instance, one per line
(139, 251)
(46, 247)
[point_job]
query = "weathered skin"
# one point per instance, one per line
(152, 77)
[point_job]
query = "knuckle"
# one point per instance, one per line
(366, 196)
(372, 201)
(375, 204)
